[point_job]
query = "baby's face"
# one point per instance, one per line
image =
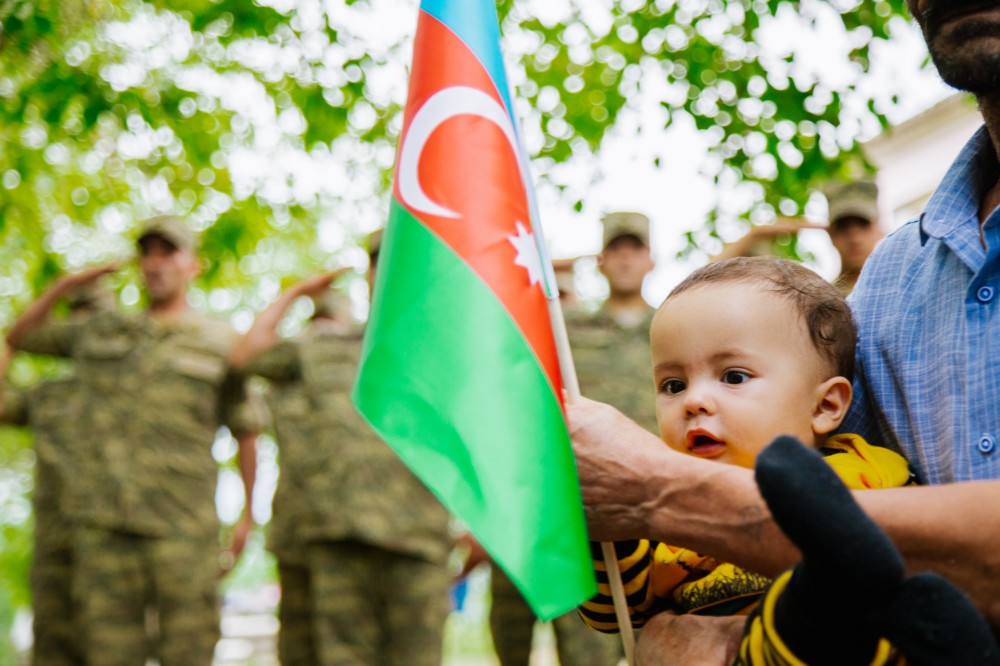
(734, 368)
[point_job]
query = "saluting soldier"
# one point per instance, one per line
(157, 390)
(52, 410)
(376, 540)
(611, 346)
(292, 412)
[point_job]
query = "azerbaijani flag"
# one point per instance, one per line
(459, 372)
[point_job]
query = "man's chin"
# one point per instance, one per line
(967, 55)
(158, 299)
(972, 68)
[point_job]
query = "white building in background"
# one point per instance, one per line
(912, 157)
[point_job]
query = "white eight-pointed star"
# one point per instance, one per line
(527, 253)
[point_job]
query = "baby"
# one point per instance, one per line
(745, 351)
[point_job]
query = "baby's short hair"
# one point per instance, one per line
(821, 305)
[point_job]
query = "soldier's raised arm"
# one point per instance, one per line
(759, 238)
(37, 314)
(247, 442)
(263, 334)
(246, 417)
(5, 356)
(248, 355)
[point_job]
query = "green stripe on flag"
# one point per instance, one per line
(448, 380)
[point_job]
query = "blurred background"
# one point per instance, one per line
(271, 126)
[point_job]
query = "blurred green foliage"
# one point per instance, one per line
(271, 125)
(16, 462)
(777, 128)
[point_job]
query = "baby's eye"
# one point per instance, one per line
(735, 376)
(672, 386)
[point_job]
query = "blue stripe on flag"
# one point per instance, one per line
(475, 23)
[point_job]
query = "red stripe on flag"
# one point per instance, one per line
(468, 166)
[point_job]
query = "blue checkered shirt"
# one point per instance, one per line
(929, 331)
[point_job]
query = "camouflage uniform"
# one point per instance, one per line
(290, 412)
(512, 623)
(52, 410)
(613, 365)
(145, 498)
(375, 539)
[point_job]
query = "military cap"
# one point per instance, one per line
(617, 225)
(170, 228)
(857, 199)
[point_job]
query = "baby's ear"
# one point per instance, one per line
(833, 397)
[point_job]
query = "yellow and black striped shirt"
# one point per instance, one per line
(659, 577)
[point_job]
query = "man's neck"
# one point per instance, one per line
(171, 310)
(989, 105)
(847, 279)
(627, 309)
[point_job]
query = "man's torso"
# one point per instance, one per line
(154, 396)
(613, 363)
(353, 485)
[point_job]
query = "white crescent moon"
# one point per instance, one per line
(443, 105)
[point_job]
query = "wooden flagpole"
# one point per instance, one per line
(572, 386)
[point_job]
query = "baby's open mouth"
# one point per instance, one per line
(706, 446)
